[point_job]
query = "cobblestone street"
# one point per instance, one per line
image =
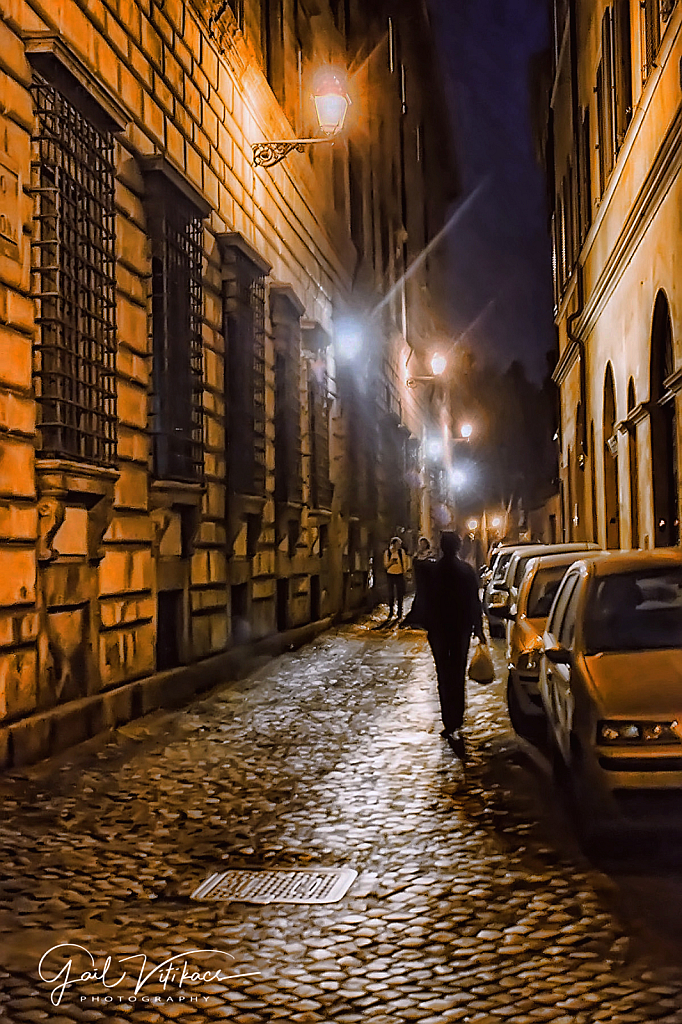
(472, 902)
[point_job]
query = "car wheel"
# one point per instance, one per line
(530, 727)
(589, 828)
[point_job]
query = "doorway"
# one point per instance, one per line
(611, 463)
(663, 429)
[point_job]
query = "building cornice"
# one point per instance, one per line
(567, 360)
(662, 174)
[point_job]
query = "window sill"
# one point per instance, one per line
(62, 483)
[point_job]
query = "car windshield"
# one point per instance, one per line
(542, 590)
(520, 569)
(635, 611)
(501, 565)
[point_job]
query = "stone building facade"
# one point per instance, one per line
(614, 152)
(205, 431)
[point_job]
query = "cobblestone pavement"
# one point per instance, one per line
(472, 901)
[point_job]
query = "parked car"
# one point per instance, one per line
(526, 625)
(503, 591)
(611, 685)
(498, 568)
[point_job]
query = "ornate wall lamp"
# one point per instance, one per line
(438, 367)
(331, 106)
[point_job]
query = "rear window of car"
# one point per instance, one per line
(635, 611)
(543, 590)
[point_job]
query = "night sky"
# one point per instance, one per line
(498, 248)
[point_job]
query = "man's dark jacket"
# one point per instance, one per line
(453, 604)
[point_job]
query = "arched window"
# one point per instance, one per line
(611, 462)
(633, 469)
(663, 429)
(593, 482)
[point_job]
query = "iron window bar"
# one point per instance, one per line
(320, 483)
(177, 316)
(72, 181)
(244, 329)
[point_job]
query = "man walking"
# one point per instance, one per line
(454, 613)
(396, 566)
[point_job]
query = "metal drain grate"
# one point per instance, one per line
(317, 885)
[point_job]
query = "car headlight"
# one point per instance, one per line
(638, 732)
(529, 661)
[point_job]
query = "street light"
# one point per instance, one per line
(472, 524)
(331, 105)
(466, 431)
(438, 367)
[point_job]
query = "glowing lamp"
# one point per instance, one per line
(438, 364)
(472, 524)
(466, 430)
(434, 448)
(348, 341)
(497, 522)
(331, 105)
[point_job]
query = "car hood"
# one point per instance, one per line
(637, 684)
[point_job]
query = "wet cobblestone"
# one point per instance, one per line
(472, 903)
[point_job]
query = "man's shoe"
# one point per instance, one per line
(456, 741)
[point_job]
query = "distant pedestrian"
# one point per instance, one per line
(453, 614)
(422, 563)
(396, 564)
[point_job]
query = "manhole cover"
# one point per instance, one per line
(317, 885)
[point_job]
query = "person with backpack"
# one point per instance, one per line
(396, 564)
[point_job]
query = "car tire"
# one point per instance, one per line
(529, 727)
(590, 831)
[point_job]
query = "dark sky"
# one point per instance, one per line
(498, 248)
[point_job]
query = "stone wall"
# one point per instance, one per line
(109, 575)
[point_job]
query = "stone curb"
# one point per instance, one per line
(39, 736)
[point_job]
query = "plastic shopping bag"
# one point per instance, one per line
(481, 668)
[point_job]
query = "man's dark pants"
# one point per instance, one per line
(450, 650)
(396, 592)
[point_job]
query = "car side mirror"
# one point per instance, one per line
(558, 655)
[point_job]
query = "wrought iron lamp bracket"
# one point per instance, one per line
(267, 154)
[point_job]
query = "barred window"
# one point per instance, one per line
(177, 309)
(652, 34)
(244, 328)
(318, 410)
(72, 171)
(285, 313)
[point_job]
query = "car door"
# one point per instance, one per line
(555, 679)
(564, 702)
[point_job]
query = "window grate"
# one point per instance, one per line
(318, 399)
(72, 172)
(177, 308)
(244, 298)
(288, 476)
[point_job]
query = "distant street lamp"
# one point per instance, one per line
(438, 367)
(331, 105)
(466, 431)
(472, 524)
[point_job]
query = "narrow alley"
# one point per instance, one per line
(472, 901)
